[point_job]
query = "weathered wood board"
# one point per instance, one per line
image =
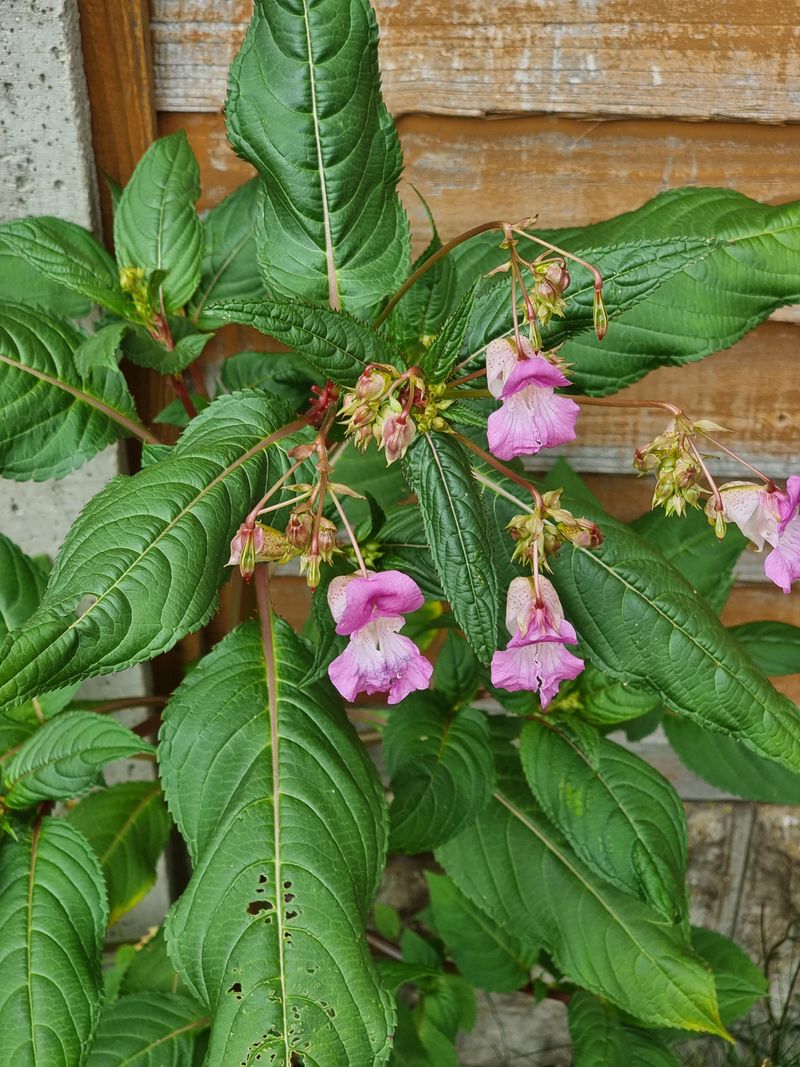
(568, 57)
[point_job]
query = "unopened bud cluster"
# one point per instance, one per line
(542, 532)
(389, 406)
(673, 459)
(257, 543)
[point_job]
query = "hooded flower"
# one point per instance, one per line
(535, 658)
(770, 516)
(378, 659)
(531, 415)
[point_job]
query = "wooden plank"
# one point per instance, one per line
(457, 57)
(117, 55)
(571, 172)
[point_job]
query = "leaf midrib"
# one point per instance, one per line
(615, 916)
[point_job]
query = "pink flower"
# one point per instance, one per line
(535, 658)
(770, 516)
(531, 415)
(378, 659)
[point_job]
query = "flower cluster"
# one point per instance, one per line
(386, 405)
(674, 460)
(256, 543)
(531, 415)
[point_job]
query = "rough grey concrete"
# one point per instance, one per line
(47, 168)
(46, 163)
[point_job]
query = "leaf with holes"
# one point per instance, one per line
(65, 757)
(69, 256)
(333, 343)
(441, 770)
(148, 1030)
(456, 529)
(52, 922)
(602, 939)
(142, 565)
(230, 268)
(620, 816)
(485, 953)
(127, 826)
(284, 818)
(156, 227)
(51, 420)
(305, 108)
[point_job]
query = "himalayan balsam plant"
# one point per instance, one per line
(492, 632)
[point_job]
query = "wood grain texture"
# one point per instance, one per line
(579, 57)
(118, 58)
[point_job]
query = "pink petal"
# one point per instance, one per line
(356, 601)
(538, 666)
(788, 502)
(501, 358)
(535, 371)
(782, 565)
(379, 660)
(752, 509)
(524, 617)
(530, 420)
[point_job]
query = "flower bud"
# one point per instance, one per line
(245, 546)
(326, 539)
(397, 433)
(298, 528)
(372, 384)
(600, 315)
(557, 275)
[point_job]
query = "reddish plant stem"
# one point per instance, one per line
(120, 703)
(718, 505)
(735, 455)
(431, 262)
(498, 466)
(350, 532)
(151, 725)
(603, 402)
(182, 393)
(467, 378)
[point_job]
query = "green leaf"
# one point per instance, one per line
(773, 646)
(438, 361)
(102, 349)
(739, 982)
(642, 622)
(620, 816)
(52, 922)
(69, 256)
(282, 373)
(403, 547)
(457, 674)
(304, 107)
(601, 1038)
(728, 765)
(150, 970)
(230, 266)
(333, 343)
(168, 361)
(175, 414)
(22, 582)
(632, 271)
(65, 757)
(441, 770)
(512, 863)
(368, 472)
(691, 547)
(142, 565)
(20, 283)
(284, 818)
(705, 306)
(457, 531)
(156, 227)
(484, 952)
(605, 701)
(127, 826)
(52, 421)
(148, 1030)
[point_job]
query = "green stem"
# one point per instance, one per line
(499, 466)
